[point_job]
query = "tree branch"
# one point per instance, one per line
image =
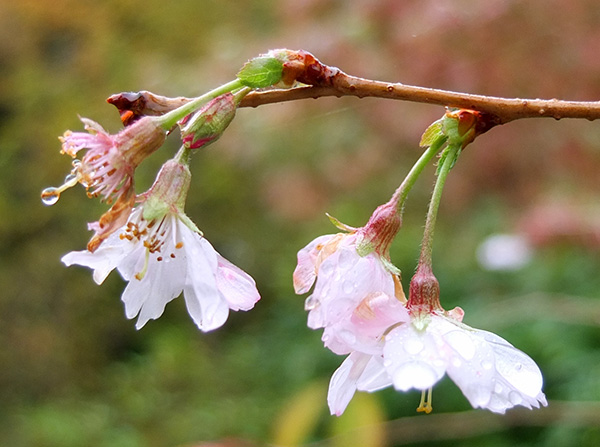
(505, 109)
(322, 80)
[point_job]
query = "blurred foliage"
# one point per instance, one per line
(74, 370)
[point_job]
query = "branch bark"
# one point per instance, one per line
(321, 80)
(505, 109)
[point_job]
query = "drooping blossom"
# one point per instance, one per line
(491, 373)
(425, 343)
(347, 269)
(161, 253)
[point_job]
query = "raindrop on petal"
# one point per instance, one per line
(311, 303)
(348, 287)
(413, 346)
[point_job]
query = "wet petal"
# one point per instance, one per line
(306, 270)
(205, 304)
(412, 358)
(343, 382)
(235, 285)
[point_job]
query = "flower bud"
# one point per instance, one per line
(207, 124)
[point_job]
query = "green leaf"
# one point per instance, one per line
(260, 72)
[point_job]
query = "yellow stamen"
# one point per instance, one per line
(425, 404)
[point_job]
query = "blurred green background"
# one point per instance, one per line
(75, 372)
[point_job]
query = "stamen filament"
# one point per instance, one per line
(425, 404)
(140, 275)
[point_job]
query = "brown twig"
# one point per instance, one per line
(322, 80)
(506, 109)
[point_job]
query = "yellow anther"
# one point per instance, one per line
(425, 404)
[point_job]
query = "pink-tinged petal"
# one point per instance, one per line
(343, 382)
(377, 312)
(345, 279)
(412, 358)
(236, 286)
(306, 270)
(363, 330)
(204, 302)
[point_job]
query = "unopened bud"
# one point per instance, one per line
(207, 124)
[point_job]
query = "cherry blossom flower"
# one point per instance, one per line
(491, 373)
(161, 253)
(347, 269)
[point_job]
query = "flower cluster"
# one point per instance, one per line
(358, 301)
(155, 247)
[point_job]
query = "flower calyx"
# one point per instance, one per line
(462, 126)
(423, 296)
(379, 232)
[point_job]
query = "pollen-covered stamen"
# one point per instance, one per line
(425, 404)
(158, 236)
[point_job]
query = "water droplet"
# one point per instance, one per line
(413, 346)
(325, 268)
(348, 287)
(387, 363)
(347, 258)
(50, 196)
(515, 398)
(518, 366)
(486, 364)
(76, 163)
(498, 388)
(311, 303)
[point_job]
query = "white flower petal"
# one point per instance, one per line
(412, 358)
(104, 259)
(375, 376)
(515, 366)
(235, 285)
(343, 382)
(162, 282)
(204, 302)
(470, 365)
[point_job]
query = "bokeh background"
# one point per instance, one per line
(75, 372)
